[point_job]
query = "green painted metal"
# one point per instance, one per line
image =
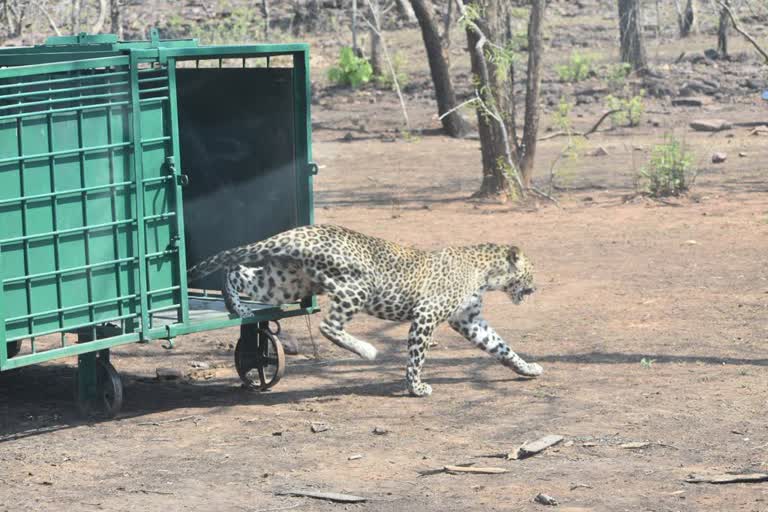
(93, 237)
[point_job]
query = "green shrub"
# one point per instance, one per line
(617, 74)
(578, 68)
(630, 110)
(562, 116)
(668, 173)
(399, 61)
(351, 69)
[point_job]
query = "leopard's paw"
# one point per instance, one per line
(421, 389)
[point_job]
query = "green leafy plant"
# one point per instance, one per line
(578, 68)
(629, 111)
(399, 61)
(616, 75)
(351, 69)
(647, 363)
(668, 173)
(562, 116)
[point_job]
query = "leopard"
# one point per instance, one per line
(361, 273)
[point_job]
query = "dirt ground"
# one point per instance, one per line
(650, 320)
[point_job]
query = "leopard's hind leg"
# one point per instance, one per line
(347, 299)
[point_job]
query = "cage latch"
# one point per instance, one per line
(181, 179)
(313, 168)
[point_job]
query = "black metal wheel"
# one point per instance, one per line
(106, 399)
(259, 357)
(110, 388)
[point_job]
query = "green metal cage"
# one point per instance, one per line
(121, 164)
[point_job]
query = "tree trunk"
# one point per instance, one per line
(375, 56)
(632, 47)
(98, 26)
(722, 30)
(76, 4)
(533, 84)
(492, 144)
(265, 14)
(406, 11)
(115, 18)
(454, 124)
(686, 18)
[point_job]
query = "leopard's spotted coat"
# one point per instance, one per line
(386, 280)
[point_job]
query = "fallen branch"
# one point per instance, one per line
(737, 28)
(585, 134)
(472, 469)
(728, 479)
(330, 496)
(165, 422)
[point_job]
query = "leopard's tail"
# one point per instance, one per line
(246, 254)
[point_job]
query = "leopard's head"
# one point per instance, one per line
(516, 275)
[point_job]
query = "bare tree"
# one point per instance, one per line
(722, 30)
(630, 34)
(453, 123)
(15, 12)
(737, 27)
(116, 18)
(686, 17)
(504, 154)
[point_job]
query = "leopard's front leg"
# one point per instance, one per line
(419, 337)
(469, 324)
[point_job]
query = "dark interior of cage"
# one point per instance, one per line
(236, 129)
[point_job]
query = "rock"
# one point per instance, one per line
(657, 88)
(598, 151)
(751, 84)
(200, 365)
(356, 456)
(742, 154)
(711, 54)
(348, 137)
(719, 157)
(759, 130)
(546, 499)
(380, 431)
(290, 344)
(654, 122)
(689, 102)
(699, 87)
(319, 426)
(168, 374)
(710, 125)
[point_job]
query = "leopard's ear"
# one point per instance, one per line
(514, 254)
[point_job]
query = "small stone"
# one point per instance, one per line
(545, 499)
(356, 456)
(167, 374)
(380, 431)
(319, 426)
(200, 365)
(719, 157)
(348, 137)
(598, 151)
(742, 154)
(691, 242)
